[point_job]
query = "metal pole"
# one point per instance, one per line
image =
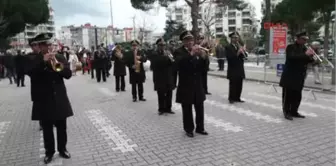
(96, 37)
(133, 27)
(111, 12)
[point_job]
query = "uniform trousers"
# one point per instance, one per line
(220, 64)
(48, 136)
(235, 88)
(165, 100)
(101, 72)
(140, 90)
(291, 100)
(120, 82)
(205, 81)
(20, 78)
(188, 119)
(92, 72)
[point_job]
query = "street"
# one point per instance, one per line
(109, 129)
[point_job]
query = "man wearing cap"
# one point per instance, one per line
(51, 105)
(235, 72)
(190, 90)
(294, 74)
(19, 66)
(100, 64)
(162, 63)
(137, 75)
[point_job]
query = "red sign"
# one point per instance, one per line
(269, 25)
(279, 38)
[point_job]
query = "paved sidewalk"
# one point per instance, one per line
(108, 129)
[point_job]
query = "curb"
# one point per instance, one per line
(325, 91)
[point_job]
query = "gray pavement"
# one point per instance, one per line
(261, 74)
(109, 129)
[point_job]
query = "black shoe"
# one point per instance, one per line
(170, 112)
(123, 90)
(240, 101)
(23, 85)
(142, 99)
(134, 99)
(40, 128)
(117, 90)
(190, 134)
(202, 132)
(231, 101)
(208, 93)
(298, 116)
(161, 113)
(288, 117)
(47, 159)
(65, 154)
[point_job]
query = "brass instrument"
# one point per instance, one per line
(319, 59)
(56, 66)
(136, 62)
(244, 51)
(169, 55)
(118, 53)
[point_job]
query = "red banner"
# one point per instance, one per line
(279, 40)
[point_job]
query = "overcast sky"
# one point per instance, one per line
(97, 12)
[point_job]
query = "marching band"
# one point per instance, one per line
(184, 69)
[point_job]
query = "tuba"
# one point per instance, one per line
(136, 62)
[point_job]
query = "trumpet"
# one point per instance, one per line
(56, 66)
(244, 51)
(169, 55)
(318, 58)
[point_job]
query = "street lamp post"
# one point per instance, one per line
(112, 26)
(334, 53)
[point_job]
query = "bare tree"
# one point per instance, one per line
(145, 28)
(208, 17)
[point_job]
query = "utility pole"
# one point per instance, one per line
(133, 18)
(96, 37)
(267, 31)
(111, 12)
(333, 73)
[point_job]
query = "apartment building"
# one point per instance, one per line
(221, 21)
(20, 41)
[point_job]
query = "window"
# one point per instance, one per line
(219, 15)
(179, 17)
(247, 21)
(232, 22)
(246, 14)
(178, 10)
(231, 29)
(232, 14)
(219, 36)
(219, 29)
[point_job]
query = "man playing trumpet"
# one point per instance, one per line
(162, 66)
(235, 72)
(51, 105)
(294, 74)
(119, 70)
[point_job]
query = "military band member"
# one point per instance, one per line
(50, 101)
(162, 63)
(294, 74)
(19, 66)
(119, 70)
(235, 72)
(100, 64)
(206, 61)
(190, 90)
(137, 76)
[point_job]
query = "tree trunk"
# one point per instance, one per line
(194, 16)
(326, 20)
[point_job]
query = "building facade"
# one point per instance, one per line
(216, 21)
(20, 41)
(273, 5)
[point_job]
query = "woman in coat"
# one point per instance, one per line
(73, 61)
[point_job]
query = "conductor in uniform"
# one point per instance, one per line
(235, 72)
(137, 76)
(51, 105)
(190, 91)
(162, 66)
(294, 74)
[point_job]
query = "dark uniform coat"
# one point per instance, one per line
(99, 60)
(295, 69)
(19, 63)
(235, 63)
(190, 69)
(162, 67)
(48, 92)
(135, 77)
(119, 68)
